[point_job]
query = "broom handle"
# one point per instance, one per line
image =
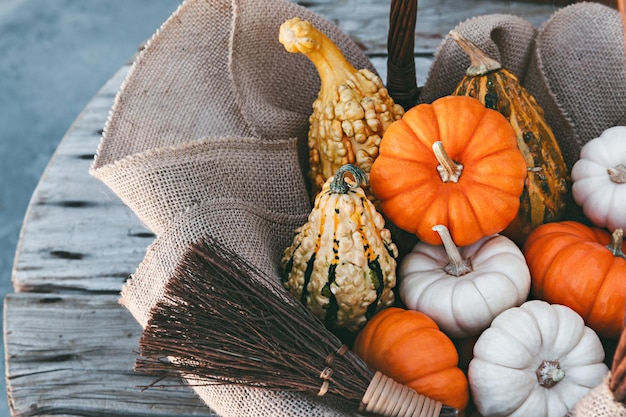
(401, 79)
(388, 398)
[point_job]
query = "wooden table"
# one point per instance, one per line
(70, 346)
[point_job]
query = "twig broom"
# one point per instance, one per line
(222, 321)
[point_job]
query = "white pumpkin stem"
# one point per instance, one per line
(457, 266)
(617, 174)
(549, 373)
(615, 246)
(449, 171)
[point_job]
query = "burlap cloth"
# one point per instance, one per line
(599, 402)
(207, 135)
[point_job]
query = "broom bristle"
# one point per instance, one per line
(224, 322)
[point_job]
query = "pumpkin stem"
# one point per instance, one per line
(457, 266)
(617, 174)
(549, 373)
(481, 63)
(449, 171)
(340, 185)
(615, 246)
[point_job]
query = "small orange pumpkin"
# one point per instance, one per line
(407, 346)
(453, 162)
(581, 267)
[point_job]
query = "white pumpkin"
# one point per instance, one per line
(536, 360)
(599, 179)
(463, 289)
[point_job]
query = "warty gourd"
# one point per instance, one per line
(351, 112)
(342, 262)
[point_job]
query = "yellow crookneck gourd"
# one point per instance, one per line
(351, 112)
(342, 262)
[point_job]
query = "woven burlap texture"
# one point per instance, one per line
(599, 402)
(207, 137)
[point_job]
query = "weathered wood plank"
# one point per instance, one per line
(77, 235)
(74, 355)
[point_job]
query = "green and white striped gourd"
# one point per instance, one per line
(342, 262)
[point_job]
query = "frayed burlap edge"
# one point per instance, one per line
(599, 402)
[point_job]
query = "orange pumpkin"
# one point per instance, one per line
(407, 345)
(453, 162)
(581, 267)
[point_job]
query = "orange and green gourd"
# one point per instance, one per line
(547, 182)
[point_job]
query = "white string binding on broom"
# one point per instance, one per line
(387, 397)
(327, 372)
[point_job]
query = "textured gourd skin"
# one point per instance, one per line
(352, 111)
(342, 263)
(543, 198)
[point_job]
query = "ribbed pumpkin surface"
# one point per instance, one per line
(571, 264)
(408, 346)
(543, 197)
(415, 197)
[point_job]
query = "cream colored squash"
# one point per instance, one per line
(599, 179)
(463, 289)
(536, 360)
(342, 264)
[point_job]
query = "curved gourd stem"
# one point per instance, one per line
(457, 266)
(615, 246)
(480, 62)
(339, 185)
(449, 171)
(301, 36)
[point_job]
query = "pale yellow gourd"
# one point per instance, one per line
(342, 262)
(352, 111)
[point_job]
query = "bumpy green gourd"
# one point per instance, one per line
(342, 262)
